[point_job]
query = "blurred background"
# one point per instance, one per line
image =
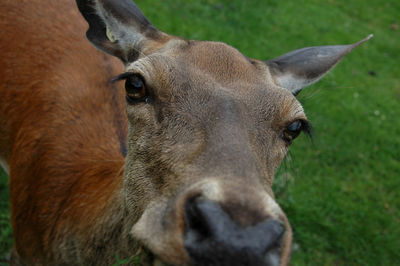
(341, 191)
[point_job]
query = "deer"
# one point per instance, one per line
(151, 145)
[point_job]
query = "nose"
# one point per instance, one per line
(212, 238)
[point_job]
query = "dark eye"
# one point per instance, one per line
(292, 131)
(136, 89)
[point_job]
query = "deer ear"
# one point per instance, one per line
(300, 68)
(118, 27)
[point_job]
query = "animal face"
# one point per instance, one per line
(204, 129)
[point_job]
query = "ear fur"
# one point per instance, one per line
(118, 27)
(303, 67)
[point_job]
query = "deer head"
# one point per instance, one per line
(208, 128)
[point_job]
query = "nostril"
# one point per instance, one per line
(197, 226)
(272, 232)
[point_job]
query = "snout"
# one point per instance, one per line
(213, 238)
(213, 224)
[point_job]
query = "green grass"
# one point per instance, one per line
(341, 192)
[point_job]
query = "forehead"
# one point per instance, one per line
(224, 63)
(219, 60)
(214, 64)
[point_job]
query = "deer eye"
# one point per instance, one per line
(292, 131)
(136, 89)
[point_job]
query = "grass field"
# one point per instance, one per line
(341, 192)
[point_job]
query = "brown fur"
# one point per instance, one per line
(61, 126)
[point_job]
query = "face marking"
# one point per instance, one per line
(211, 189)
(272, 207)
